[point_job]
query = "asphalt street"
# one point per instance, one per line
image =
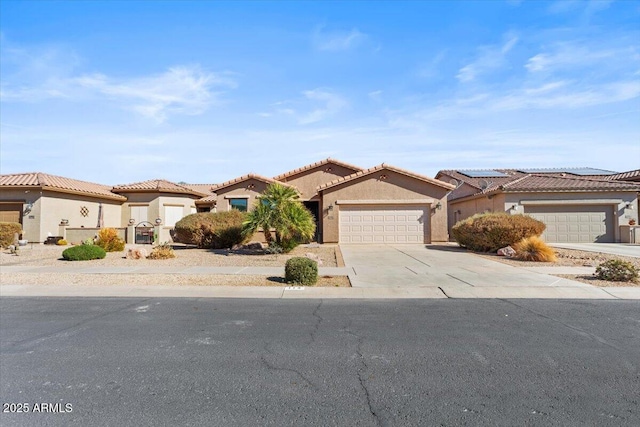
(226, 362)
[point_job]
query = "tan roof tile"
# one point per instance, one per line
(159, 185)
(542, 182)
(383, 166)
(315, 165)
(58, 183)
(246, 178)
(633, 175)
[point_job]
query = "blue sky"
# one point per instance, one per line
(117, 92)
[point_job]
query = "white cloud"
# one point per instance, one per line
(180, 90)
(331, 102)
(489, 58)
(338, 40)
(570, 55)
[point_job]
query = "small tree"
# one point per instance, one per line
(279, 209)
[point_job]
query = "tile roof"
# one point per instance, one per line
(201, 188)
(633, 175)
(246, 178)
(382, 167)
(207, 200)
(159, 185)
(315, 165)
(58, 183)
(542, 182)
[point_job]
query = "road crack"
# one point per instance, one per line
(360, 373)
(318, 323)
(272, 367)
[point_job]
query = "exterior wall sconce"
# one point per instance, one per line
(158, 221)
(439, 206)
(64, 222)
(132, 221)
(28, 208)
(383, 177)
(629, 206)
(331, 207)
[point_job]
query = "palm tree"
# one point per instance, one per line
(278, 208)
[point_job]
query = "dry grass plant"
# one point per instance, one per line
(534, 249)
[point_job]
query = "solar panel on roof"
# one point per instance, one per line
(573, 171)
(483, 174)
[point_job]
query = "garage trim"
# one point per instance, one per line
(387, 202)
(378, 228)
(573, 202)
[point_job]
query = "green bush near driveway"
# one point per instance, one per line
(84, 253)
(301, 271)
(491, 231)
(616, 270)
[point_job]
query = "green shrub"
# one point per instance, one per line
(492, 231)
(288, 245)
(300, 270)
(8, 231)
(109, 240)
(83, 253)
(616, 270)
(215, 230)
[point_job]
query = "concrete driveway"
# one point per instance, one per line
(621, 249)
(387, 266)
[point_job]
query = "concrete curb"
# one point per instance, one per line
(292, 292)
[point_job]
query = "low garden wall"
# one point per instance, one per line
(78, 235)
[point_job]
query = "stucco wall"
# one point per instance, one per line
(239, 190)
(308, 181)
(462, 210)
(396, 187)
(56, 206)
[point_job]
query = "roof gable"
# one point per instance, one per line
(379, 168)
(247, 177)
(327, 161)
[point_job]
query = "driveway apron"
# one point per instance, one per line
(384, 266)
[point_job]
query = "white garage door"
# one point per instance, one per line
(382, 224)
(575, 224)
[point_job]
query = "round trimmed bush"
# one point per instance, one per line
(492, 231)
(8, 231)
(216, 230)
(616, 270)
(84, 253)
(302, 271)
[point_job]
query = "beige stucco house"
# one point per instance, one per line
(577, 205)
(43, 203)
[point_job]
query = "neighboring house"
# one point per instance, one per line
(42, 202)
(158, 201)
(577, 205)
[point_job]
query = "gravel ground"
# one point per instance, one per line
(49, 255)
(572, 258)
(45, 255)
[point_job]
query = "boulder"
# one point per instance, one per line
(136, 254)
(506, 251)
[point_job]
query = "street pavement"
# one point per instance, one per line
(212, 362)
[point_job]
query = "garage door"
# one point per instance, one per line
(575, 224)
(11, 212)
(382, 224)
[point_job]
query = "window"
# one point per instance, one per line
(172, 214)
(139, 214)
(239, 204)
